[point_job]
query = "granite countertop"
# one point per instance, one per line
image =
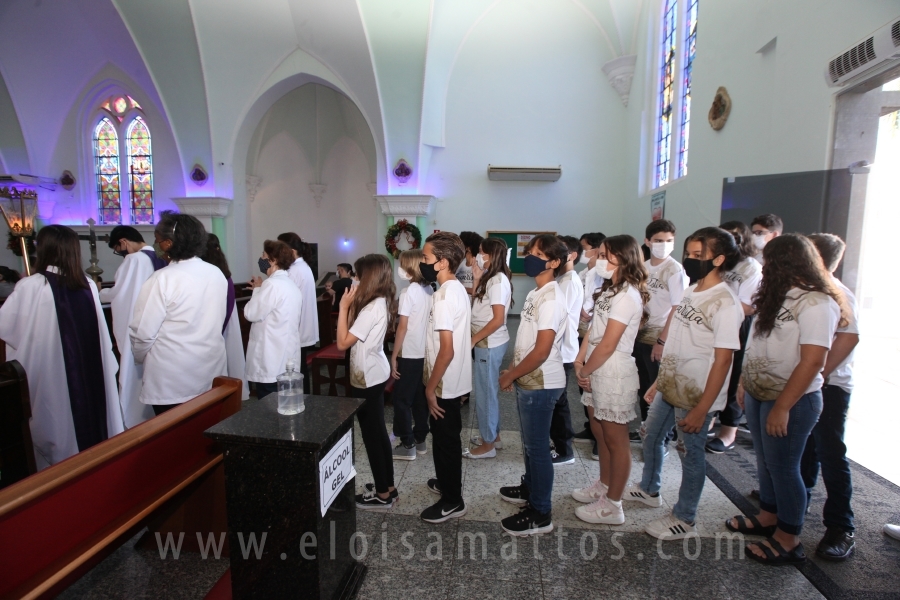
(259, 422)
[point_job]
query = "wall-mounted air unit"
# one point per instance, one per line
(870, 55)
(524, 173)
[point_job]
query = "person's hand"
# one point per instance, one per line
(436, 411)
(255, 281)
(693, 421)
(656, 354)
(777, 423)
(506, 382)
(650, 395)
(394, 372)
(740, 393)
(585, 316)
(348, 296)
(584, 382)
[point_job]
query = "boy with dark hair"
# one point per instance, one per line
(448, 371)
(765, 228)
(464, 273)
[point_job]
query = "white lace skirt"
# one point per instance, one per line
(614, 389)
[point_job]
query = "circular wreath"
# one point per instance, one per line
(399, 228)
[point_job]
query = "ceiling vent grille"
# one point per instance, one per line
(875, 54)
(524, 173)
(895, 34)
(852, 59)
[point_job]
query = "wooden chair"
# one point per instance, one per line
(16, 448)
(163, 474)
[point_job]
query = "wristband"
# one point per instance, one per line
(661, 342)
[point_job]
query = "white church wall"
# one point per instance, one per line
(783, 111)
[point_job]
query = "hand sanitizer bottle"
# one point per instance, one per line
(290, 390)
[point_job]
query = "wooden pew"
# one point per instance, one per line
(163, 474)
(16, 449)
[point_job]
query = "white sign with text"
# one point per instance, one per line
(335, 470)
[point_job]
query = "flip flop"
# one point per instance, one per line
(757, 529)
(784, 557)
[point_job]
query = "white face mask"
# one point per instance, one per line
(354, 282)
(661, 250)
(602, 269)
(585, 259)
(401, 273)
(759, 241)
(508, 255)
(479, 260)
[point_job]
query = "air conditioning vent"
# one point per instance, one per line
(852, 59)
(895, 34)
(871, 55)
(524, 173)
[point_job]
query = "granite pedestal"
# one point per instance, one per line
(272, 492)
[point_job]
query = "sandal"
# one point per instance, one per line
(784, 557)
(757, 529)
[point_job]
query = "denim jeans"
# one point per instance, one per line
(781, 487)
(826, 446)
(661, 417)
(410, 403)
(561, 432)
(535, 411)
(487, 386)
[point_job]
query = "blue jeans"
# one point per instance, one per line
(781, 487)
(535, 412)
(661, 418)
(487, 386)
(826, 446)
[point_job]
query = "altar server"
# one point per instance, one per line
(176, 331)
(301, 274)
(54, 326)
(139, 264)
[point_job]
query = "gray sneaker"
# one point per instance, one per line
(421, 448)
(401, 452)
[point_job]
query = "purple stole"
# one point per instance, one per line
(158, 263)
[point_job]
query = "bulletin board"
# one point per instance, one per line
(517, 240)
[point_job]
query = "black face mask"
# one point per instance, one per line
(534, 266)
(264, 266)
(697, 269)
(429, 273)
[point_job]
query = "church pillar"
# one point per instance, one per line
(209, 210)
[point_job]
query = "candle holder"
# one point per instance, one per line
(19, 208)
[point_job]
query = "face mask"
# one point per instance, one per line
(759, 241)
(508, 255)
(401, 273)
(263, 265)
(661, 250)
(429, 273)
(159, 251)
(602, 269)
(697, 269)
(534, 266)
(479, 260)
(354, 282)
(585, 259)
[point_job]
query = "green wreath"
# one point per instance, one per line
(394, 231)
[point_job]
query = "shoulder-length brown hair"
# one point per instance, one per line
(58, 246)
(409, 262)
(376, 280)
(631, 268)
(791, 261)
(495, 248)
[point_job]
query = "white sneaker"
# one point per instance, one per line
(492, 453)
(636, 494)
(602, 511)
(590, 494)
(892, 531)
(670, 528)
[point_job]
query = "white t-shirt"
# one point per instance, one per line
(497, 291)
(666, 286)
(842, 376)
(591, 283)
(703, 321)
(573, 292)
(625, 307)
(744, 279)
(450, 311)
(415, 303)
(465, 275)
(545, 308)
(368, 364)
(805, 318)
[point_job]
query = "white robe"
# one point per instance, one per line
(29, 326)
(234, 352)
(130, 276)
(176, 331)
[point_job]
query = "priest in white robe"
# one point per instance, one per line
(54, 326)
(139, 264)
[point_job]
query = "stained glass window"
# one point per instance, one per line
(690, 50)
(140, 172)
(106, 166)
(666, 95)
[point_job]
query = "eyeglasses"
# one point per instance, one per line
(761, 232)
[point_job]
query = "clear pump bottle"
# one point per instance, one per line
(290, 390)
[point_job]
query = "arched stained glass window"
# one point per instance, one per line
(106, 167)
(690, 50)
(140, 172)
(666, 95)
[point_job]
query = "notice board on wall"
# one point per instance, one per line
(517, 240)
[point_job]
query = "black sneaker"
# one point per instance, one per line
(442, 511)
(635, 437)
(717, 446)
(527, 522)
(743, 427)
(584, 436)
(515, 494)
(836, 545)
(371, 501)
(434, 487)
(561, 460)
(370, 487)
